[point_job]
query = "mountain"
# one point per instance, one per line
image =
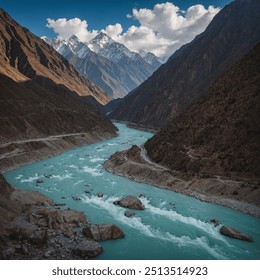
(35, 59)
(151, 58)
(219, 134)
(131, 62)
(114, 80)
(42, 95)
(107, 63)
(193, 68)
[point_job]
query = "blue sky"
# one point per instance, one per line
(99, 14)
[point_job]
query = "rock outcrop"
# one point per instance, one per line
(131, 202)
(234, 233)
(56, 219)
(33, 228)
(100, 232)
(87, 249)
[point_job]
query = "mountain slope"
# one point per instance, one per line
(219, 134)
(193, 68)
(109, 64)
(35, 59)
(39, 98)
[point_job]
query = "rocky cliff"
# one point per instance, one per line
(193, 68)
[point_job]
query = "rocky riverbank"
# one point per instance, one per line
(34, 227)
(241, 195)
(16, 153)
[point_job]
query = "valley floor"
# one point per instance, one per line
(242, 195)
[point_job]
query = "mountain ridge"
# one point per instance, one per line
(26, 59)
(112, 66)
(193, 68)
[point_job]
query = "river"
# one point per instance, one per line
(172, 226)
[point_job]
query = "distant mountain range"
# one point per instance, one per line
(192, 69)
(109, 64)
(42, 95)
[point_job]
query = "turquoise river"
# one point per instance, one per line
(172, 226)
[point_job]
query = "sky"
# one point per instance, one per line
(153, 25)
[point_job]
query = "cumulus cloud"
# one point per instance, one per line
(75, 26)
(165, 28)
(160, 30)
(113, 30)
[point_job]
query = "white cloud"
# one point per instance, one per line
(75, 26)
(161, 30)
(165, 28)
(114, 30)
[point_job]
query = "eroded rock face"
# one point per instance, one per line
(131, 202)
(87, 249)
(234, 233)
(103, 232)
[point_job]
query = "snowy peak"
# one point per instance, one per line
(75, 39)
(67, 46)
(104, 45)
(102, 40)
(150, 58)
(109, 64)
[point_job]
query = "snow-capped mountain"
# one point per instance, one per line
(109, 64)
(104, 45)
(73, 44)
(131, 62)
(151, 58)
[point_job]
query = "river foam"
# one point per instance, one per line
(136, 222)
(174, 216)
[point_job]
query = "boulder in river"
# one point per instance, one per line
(101, 232)
(100, 194)
(87, 249)
(215, 222)
(234, 233)
(131, 202)
(129, 214)
(39, 181)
